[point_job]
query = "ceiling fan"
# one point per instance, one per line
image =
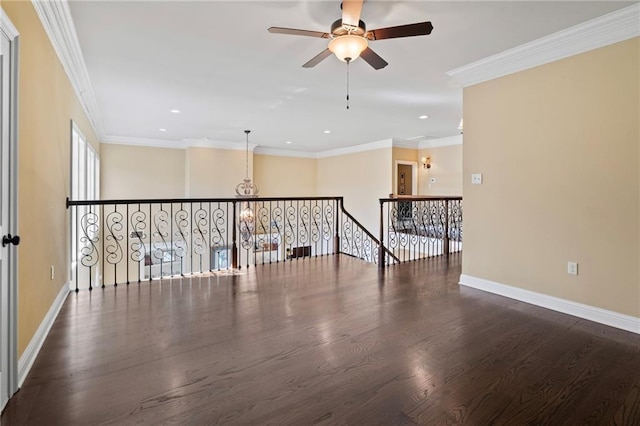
(349, 37)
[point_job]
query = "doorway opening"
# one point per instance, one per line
(406, 178)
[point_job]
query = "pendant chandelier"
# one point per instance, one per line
(246, 188)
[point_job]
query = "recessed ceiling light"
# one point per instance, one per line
(327, 131)
(423, 117)
(288, 142)
(175, 111)
(163, 130)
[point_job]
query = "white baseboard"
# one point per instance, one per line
(31, 352)
(591, 313)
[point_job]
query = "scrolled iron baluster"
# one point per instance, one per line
(181, 233)
(433, 221)
(423, 220)
(275, 229)
(316, 223)
(327, 224)
(357, 242)
(263, 231)
(290, 225)
(346, 237)
(393, 229)
(247, 228)
(276, 220)
(113, 247)
(455, 223)
(158, 248)
(219, 228)
(303, 224)
(90, 224)
(366, 253)
(200, 232)
(138, 223)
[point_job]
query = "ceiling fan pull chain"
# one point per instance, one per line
(348, 61)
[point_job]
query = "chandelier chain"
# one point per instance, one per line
(246, 156)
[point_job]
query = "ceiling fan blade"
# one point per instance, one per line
(293, 31)
(317, 59)
(409, 30)
(351, 10)
(373, 59)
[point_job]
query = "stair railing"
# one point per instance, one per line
(419, 227)
(125, 241)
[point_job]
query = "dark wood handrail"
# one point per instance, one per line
(420, 198)
(191, 200)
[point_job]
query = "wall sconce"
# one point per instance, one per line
(426, 162)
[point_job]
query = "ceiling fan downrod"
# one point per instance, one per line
(348, 60)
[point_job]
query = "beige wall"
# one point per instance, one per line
(446, 168)
(141, 172)
(284, 176)
(213, 173)
(362, 178)
(559, 149)
(47, 104)
(148, 172)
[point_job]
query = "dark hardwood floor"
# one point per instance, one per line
(326, 341)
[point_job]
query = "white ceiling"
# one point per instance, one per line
(216, 63)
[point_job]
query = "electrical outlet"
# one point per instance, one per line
(476, 178)
(572, 268)
(53, 272)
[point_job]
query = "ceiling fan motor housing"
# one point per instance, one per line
(337, 29)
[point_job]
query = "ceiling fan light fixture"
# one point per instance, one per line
(348, 47)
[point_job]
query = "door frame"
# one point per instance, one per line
(10, 316)
(414, 175)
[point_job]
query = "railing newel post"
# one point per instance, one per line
(234, 236)
(445, 237)
(381, 256)
(336, 239)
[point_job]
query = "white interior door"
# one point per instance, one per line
(8, 253)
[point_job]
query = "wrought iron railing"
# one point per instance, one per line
(415, 228)
(122, 241)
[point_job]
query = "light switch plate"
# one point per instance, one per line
(476, 178)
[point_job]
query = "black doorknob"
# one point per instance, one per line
(10, 239)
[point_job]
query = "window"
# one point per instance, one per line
(85, 185)
(85, 168)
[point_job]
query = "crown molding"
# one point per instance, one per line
(7, 26)
(387, 143)
(58, 24)
(284, 153)
(150, 143)
(207, 143)
(438, 143)
(404, 143)
(172, 144)
(259, 150)
(608, 29)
